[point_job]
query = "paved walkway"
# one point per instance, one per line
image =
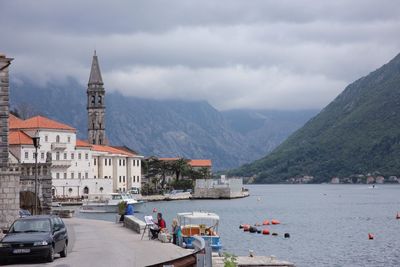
(96, 243)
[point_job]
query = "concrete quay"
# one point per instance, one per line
(100, 243)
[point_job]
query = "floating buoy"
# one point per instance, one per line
(265, 222)
(398, 216)
(370, 236)
(275, 234)
(253, 229)
(287, 235)
(275, 222)
(154, 210)
(265, 232)
(259, 231)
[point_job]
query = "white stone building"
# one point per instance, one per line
(78, 168)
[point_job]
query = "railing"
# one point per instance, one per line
(61, 163)
(58, 146)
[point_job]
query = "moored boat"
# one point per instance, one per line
(108, 203)
(204, 224)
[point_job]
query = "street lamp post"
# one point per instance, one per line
(36, 141)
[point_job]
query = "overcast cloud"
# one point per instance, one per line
(234, 54)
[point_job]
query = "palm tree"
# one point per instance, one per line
(179, 166)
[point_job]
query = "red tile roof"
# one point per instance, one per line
(81, 143)
(112, 150)
(38, 122)
(193, 162)
(200, 163)
(19, 138)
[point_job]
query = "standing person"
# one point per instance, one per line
(158, 226)
(122, 206)
(176, 232)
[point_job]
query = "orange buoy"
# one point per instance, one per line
(370, 236)
(265, 232)
(275, 222)
(265, 222)
(398, 216)
(154, 210)
(246, 227)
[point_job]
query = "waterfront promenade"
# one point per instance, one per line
(101, 243)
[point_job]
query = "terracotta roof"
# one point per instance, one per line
(19, 138)
(14, 122)
(192, 162)
(126, 149)
(111, 150)
(38, 122)
(81, 143)
(200, 163)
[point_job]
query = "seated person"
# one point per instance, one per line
(158, 226)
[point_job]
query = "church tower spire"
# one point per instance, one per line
(96, 105)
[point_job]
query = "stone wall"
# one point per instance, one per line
(9, 196)
(27, 183)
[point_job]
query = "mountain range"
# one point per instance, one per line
(165, 128)
(358, 133)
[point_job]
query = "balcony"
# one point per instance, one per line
(58, 146)
(61, 163)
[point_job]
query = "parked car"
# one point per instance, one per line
(24, 213)
(39, 236)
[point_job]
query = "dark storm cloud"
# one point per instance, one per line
(261, 54)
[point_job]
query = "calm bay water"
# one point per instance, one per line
(328, 224)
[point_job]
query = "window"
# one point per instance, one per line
(86, 156)
(79, 156)
(57, 139)
(65, 155)
(105, 177)
(42, 155)
(123, 189)
(134, 162)
(79, 175)
(123, 162)
(119, 162)
(120, 179)
(94, 161)
(138, 163)
(109, 162)
(86, 175)
(72, 175)
(58, 175)
(100, 141)
(46, 138)
(93, 99)
(65, 175)
(26, 155)
(123, 179)
(94, 140)
(100, 99)
(58, 156)
(72, 155)
(95, 177)
(105, 162)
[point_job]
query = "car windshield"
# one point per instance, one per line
(26, 226)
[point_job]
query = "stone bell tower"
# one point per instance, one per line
(96, 105)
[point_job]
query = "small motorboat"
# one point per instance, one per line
(108, 203)
(204, 224)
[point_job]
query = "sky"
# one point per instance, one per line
(248, 54)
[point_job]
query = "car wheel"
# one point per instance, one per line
(63, 252)
(50, 257)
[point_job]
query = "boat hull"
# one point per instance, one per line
(104, 208)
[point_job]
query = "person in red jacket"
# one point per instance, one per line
(158, 226)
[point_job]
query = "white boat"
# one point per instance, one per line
(200, 223)
(108, 202)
